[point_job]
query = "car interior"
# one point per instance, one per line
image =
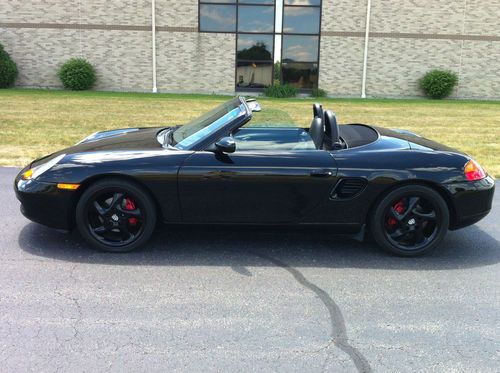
(324, 133)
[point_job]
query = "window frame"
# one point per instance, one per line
(273, 34)
(320, 6)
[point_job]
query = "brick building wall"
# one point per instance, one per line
(407, 38)
(115, 36)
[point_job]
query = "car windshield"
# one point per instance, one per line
(184, 137)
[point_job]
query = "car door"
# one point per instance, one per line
(254, 186)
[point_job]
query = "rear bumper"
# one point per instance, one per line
(471, 201)
(45, 204)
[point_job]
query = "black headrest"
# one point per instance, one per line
(332, 129)
(317, 110)
(317, 132)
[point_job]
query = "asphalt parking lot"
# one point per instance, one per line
(245, 299)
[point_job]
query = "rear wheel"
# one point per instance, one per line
(115, 215)
(410, 220)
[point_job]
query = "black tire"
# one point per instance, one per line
(115, 215)
(410, 221)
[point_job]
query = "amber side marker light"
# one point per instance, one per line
(473, 171)
(68, 186)
(27, 175)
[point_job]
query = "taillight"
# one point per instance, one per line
(473, 171)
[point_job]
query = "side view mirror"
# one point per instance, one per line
(226, 145)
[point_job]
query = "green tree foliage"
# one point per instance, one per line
(8, 69)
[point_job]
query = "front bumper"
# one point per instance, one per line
(471, 201)
(45, 204)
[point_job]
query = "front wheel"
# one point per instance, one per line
(410, 220)
(115, 215)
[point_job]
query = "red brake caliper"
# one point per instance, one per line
(399, 207)
(130, 205)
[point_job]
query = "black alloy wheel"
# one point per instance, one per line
(115, 215)
(410, 220)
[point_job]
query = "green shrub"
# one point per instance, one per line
(277, 71)
(318, 92)
(8, 69)
(281, 91)
(438, 83)
(77, 74)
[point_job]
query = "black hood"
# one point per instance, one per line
(122, 140)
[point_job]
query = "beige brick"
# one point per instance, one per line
(174, 13)
(196, 62)
(341, 68)
(396, 65)
(37, 11)
(38, 53)
(343, 15)
(423, 16)
(483, 17)
(480, 73)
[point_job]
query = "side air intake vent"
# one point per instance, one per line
(348, 188)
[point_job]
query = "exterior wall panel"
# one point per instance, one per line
(407, 38)
(396, 65)
(343, 15)
(480, 73)
(196, 62)
(423, 16)
(38, 53)
(174, 13)
(124, 67)
(341, 65)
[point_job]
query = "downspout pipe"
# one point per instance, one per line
(153, 41)
(365, 57)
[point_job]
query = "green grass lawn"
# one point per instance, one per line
(37, 122)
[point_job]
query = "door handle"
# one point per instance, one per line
(321, 173)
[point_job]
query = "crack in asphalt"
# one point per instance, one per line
(338, 328)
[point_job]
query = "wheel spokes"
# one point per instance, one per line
(411, 222)
(418, 235)
(115, 219)
(411, 205)
(425, 215)
(100, 210)
(398, 233)
(129, 213)
(117, 199)
(125, 233)
(101, 230)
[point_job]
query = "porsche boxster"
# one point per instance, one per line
(401, 189)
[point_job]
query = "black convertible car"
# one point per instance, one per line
(405, 190)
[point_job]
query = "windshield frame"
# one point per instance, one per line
(198, 139)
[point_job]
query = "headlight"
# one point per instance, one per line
(34, 172)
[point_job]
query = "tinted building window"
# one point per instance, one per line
(300, 43)
(301, 20)
(303, 2)
(300, 48)
(255, 18)
(268, 2)
(217, 18)
(255, 47)
(253, 74)
(253, 21)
